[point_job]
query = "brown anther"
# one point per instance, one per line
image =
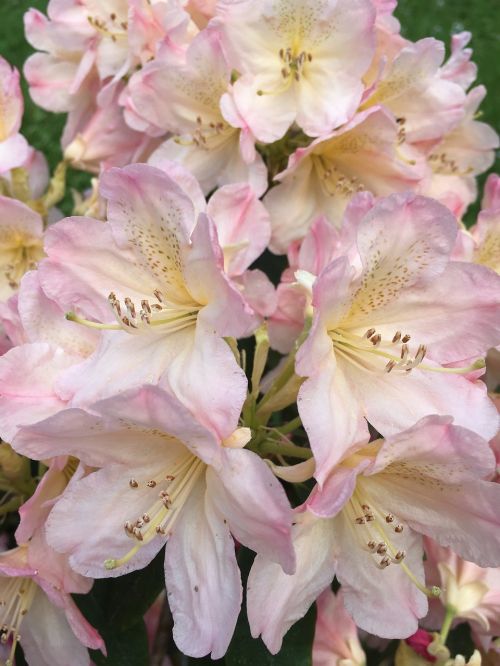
(397, 337)
(281, 53)
(398, 529)
(145, 306)
(381, 549)
(158, 295)
(406, 338)
(124, 25)
(151, 483)
(390, 365)
(371, 545)
(169, 477)
(284, 72)
(146, 518)
(375, 340)
(369, 517)
(133, 483)
(139, 523)
(384, 562)
(199, 121)
(404, 352)
(296, 76)
(389, 518)
(137, 533)
(309, 57)
(160, 530)
(128, 527)
(400, 555)
(359, 521)
(365, 507)
(112, 16)
(369, 333)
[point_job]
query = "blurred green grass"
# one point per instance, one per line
(419, 18)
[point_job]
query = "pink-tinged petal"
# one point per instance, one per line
(27, 377)
(491, 197)
(287, 319)
(44, 321)
(12, 105)
(151, 407)
(456, 454)
(202, 579)
(14, 152)
(14, 562)
(185, 180)
(276, 601)
(47, 638)
(461, 515)
(258, 291)
(326, 501)
(226, 310)
(332, 416)
(35, 510)
(50, 81)
(150, 214)
(383, 602)
(208, 362)
(336, 635)
(393, 402)
(98, 506)
(242, 225)
(118, 438)
(247, 494)
(82, 629)
(17, 217)
(84, 265)
(456, 316)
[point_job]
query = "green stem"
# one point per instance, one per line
(448, 619)
(289, 427)
(284, 449)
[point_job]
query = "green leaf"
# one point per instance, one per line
(116, 607)
(247, 651)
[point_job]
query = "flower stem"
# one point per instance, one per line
(284, 449)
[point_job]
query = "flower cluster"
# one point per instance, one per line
(159, 392)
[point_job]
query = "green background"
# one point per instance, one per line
(419, 18)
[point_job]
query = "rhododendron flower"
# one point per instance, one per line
(364, 526)
(181, 93)
(426, 105)
(387, 327)
(163, 474)
(322, 178)
(300, 60)
(160, 278)
(21, 243)
(336, 638)
(36, 583)
(14, 148)
(471, 592)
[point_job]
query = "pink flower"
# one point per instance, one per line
(336, 637)
(36, 584)
(365, 525)
(181, 92)
(300, 61)
(322, 178)
(14, 149)
(376, 319)
(163, 474)
(159, 275)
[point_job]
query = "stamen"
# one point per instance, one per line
(71, 316)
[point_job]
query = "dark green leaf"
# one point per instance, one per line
(125, 648)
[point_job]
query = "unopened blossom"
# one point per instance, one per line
(21, 243)
(364, 525)
(181, 93)
(300, 61)
(152, 280)
(470, 592)
(362, 155)
(165, 477)
(387, 327)
(336, 638)
(14, 148)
